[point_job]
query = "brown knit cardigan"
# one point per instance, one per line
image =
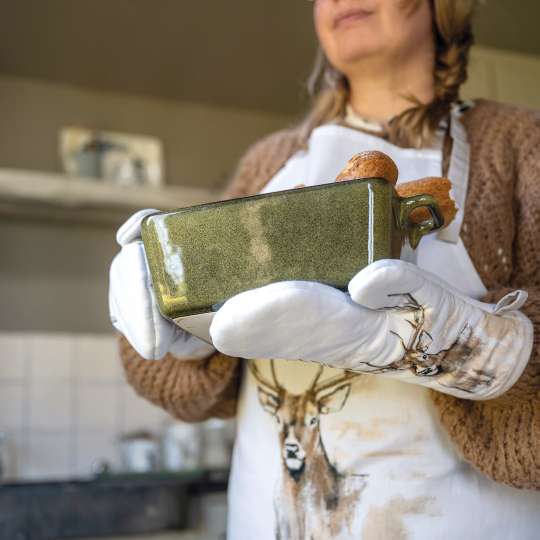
(501, 230)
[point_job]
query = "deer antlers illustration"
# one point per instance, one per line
(315, 387)
(418, 343)
(420, 339)
(274, 385)
(332, 382)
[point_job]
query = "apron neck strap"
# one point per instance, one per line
(458, 172)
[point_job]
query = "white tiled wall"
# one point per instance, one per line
(64, 402)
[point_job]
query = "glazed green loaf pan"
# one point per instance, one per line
(202, 255)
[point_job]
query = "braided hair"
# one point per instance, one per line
(415, 127)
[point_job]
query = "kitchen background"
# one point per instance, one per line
(203, 81)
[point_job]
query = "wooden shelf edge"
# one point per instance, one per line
(45, 196)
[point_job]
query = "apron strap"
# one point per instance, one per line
(458, 174)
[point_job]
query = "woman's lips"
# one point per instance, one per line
(351, 16)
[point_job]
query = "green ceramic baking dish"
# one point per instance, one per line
(202, 255)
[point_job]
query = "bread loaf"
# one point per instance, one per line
(372, 164)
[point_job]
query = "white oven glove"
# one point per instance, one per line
(398, 320)
(133, 306)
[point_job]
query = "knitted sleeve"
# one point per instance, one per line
(195, 390)
(190, 390)
(501, 437)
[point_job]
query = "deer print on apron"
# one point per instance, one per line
(322, 454)
(314, 498)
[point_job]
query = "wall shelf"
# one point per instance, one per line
(48, 196)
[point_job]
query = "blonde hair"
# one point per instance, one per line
(452, 29)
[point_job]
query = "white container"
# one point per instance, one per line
(181, 447)
(139, 455)
(217, 449)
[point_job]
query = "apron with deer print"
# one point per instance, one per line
(319, 457)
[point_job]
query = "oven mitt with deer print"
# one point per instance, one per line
(133, 307)
(398, 321)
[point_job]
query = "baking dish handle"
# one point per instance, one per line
(415, 231)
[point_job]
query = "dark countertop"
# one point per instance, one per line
(177, 535)
(198, 480)
(110, 504)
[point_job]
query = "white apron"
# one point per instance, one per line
(372, 463)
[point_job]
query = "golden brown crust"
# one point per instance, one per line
(438, 188)
(369, 164)
(374, 164)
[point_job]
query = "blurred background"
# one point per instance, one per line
(107, 107)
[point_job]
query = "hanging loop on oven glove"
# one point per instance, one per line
(397, 320)
(133, 307)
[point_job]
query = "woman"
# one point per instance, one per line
(339, 447)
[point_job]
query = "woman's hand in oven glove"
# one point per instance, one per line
(398, 320)
(133, 306)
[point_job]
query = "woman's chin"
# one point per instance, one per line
(354, 54)
(354, 46)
